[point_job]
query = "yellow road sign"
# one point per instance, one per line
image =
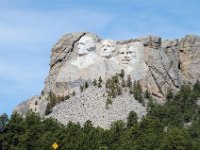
(55, 145)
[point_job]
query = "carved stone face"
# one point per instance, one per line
(132, 53)
(108, 47)
(126, 54)
(85, 45)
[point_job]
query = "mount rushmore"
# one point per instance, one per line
(158, 65)
(103, 59)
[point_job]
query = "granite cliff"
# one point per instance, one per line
(158, 65)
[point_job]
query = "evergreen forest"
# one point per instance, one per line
(174, 125)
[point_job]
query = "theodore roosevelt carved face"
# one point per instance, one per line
(85, 46)
(126, 55)
(107, 48)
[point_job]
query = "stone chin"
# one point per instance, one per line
(106, 54)
(125, 62)
(82, 52)
(134, 61)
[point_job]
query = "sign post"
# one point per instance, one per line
(55, 146)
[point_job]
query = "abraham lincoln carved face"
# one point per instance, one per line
(126, 55)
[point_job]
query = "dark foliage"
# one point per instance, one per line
(53, 100)
(174, 125)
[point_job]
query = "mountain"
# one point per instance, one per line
(103, 80)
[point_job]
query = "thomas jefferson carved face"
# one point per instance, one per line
(85, 45)
(108, 47)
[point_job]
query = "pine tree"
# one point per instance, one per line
(99, 82)
(99, 85)
(132, 119)
(42, 93)
(3, 121)
(122, 73)
(94, 82)
(129, 82)
(48, 109)
(52, 99)
(86, 85)
(81, 88)
(67, 97)
(137, 91)
(147, 94)
(73, 93)
(115, 79)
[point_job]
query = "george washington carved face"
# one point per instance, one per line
(85, 46)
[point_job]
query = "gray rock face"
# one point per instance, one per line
(159, 65)
(91, 105)
(190, 58)
(36, 104)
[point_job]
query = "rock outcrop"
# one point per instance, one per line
(91, 105)
(159, 66)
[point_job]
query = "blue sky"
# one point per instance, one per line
(29, 28)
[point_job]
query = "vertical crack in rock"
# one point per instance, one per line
(150, 70)
(156, 70)
(168, 72)
(71, 50)
(179, 65)
(75, 43)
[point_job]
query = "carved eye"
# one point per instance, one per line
(121, 52)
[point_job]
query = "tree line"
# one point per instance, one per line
(174, 125)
